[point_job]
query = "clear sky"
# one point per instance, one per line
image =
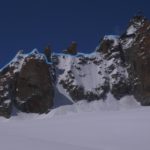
(29, 24)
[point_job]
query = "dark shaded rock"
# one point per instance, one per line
(7, 85)
(77, 93)
(121, 89)
(26, 83)
(137, 58)
(106, 45)
(34, 88)
(72, 49)
(48, 53)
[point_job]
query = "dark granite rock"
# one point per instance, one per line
(7, 90)
(137, 58)
(34, 88)
(27, 84)
(121, 67)
(72, 49)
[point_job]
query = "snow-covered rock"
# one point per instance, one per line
(26, 83)
(119, 66)
(91, 76)
(135, 43)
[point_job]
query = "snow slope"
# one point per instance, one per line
(109, 125)
(92, 72)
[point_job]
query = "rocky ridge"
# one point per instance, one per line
(120, 65)
(26, 84)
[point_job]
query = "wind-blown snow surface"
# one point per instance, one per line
(109, 125)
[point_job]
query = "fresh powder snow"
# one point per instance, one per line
(99, 125)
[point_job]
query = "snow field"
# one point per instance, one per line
(109, 125)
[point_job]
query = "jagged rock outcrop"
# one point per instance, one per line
(7, 82)
(34, 89)
(72, 49)
(92, 76)
(26, 83)
(48, 53)
(136, 45)
(119, 65)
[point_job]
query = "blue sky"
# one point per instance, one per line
(35, 23)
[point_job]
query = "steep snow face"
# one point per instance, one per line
(88, 76)
(137, 54)
(85, 75)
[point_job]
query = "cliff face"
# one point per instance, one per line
(137, 54)
(26, 84)
(119, 65)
